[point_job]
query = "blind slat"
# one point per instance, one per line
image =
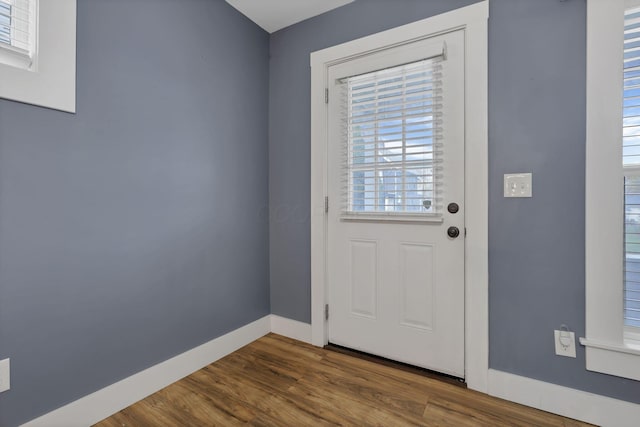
(407, 113)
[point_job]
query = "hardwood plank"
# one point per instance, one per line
(222, 401)
(351, 407)
(374, 391)
(442, 409)
(267, 398)
(277, 381)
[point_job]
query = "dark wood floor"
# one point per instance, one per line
(276, 381)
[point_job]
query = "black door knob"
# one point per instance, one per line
(453, 232)
(453, 208)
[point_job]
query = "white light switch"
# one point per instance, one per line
(5, 382)
(517, 185)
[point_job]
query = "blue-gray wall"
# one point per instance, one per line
(135, 229)
(537, 123)
(537, 51)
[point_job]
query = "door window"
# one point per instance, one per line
(393, 140)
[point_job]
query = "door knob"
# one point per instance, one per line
(453, 208)
(453, 232)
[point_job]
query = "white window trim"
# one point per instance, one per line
(473, 19)
(51, 80)
(606, 348)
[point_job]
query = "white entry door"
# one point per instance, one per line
(396, 203)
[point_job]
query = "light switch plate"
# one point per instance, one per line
(5, 377)
(517, 185)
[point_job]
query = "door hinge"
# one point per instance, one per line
(326, 204)
(326, 96)
(326, 312)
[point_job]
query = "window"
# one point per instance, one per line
(393, 140)
(17, 32)
(38, 56)
(613, 188)
(631, 165)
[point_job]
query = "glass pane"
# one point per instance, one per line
(5, 23)
(364, 191)
(632, 251)
(631, 106)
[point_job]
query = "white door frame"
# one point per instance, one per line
(473, 20)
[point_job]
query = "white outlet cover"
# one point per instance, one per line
(565, 343)
(5, 375)
(517, 185)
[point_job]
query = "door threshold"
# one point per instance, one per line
(449, 379)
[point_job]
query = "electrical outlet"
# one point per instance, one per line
(565, 343)
(5, 377)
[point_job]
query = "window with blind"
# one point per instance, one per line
(631, 166)
(612, 197)
(393, 140)
(17, 32)
(38, 52)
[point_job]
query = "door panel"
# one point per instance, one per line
(416, 285)
(396, 279)
(364, 278)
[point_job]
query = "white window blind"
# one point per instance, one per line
(631, 165)
(393, 140)
(17, 27)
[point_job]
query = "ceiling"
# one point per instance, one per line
(273, 15)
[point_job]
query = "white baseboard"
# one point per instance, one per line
(291, 328)
(548, 397)
(109, 400)
(572, 403)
